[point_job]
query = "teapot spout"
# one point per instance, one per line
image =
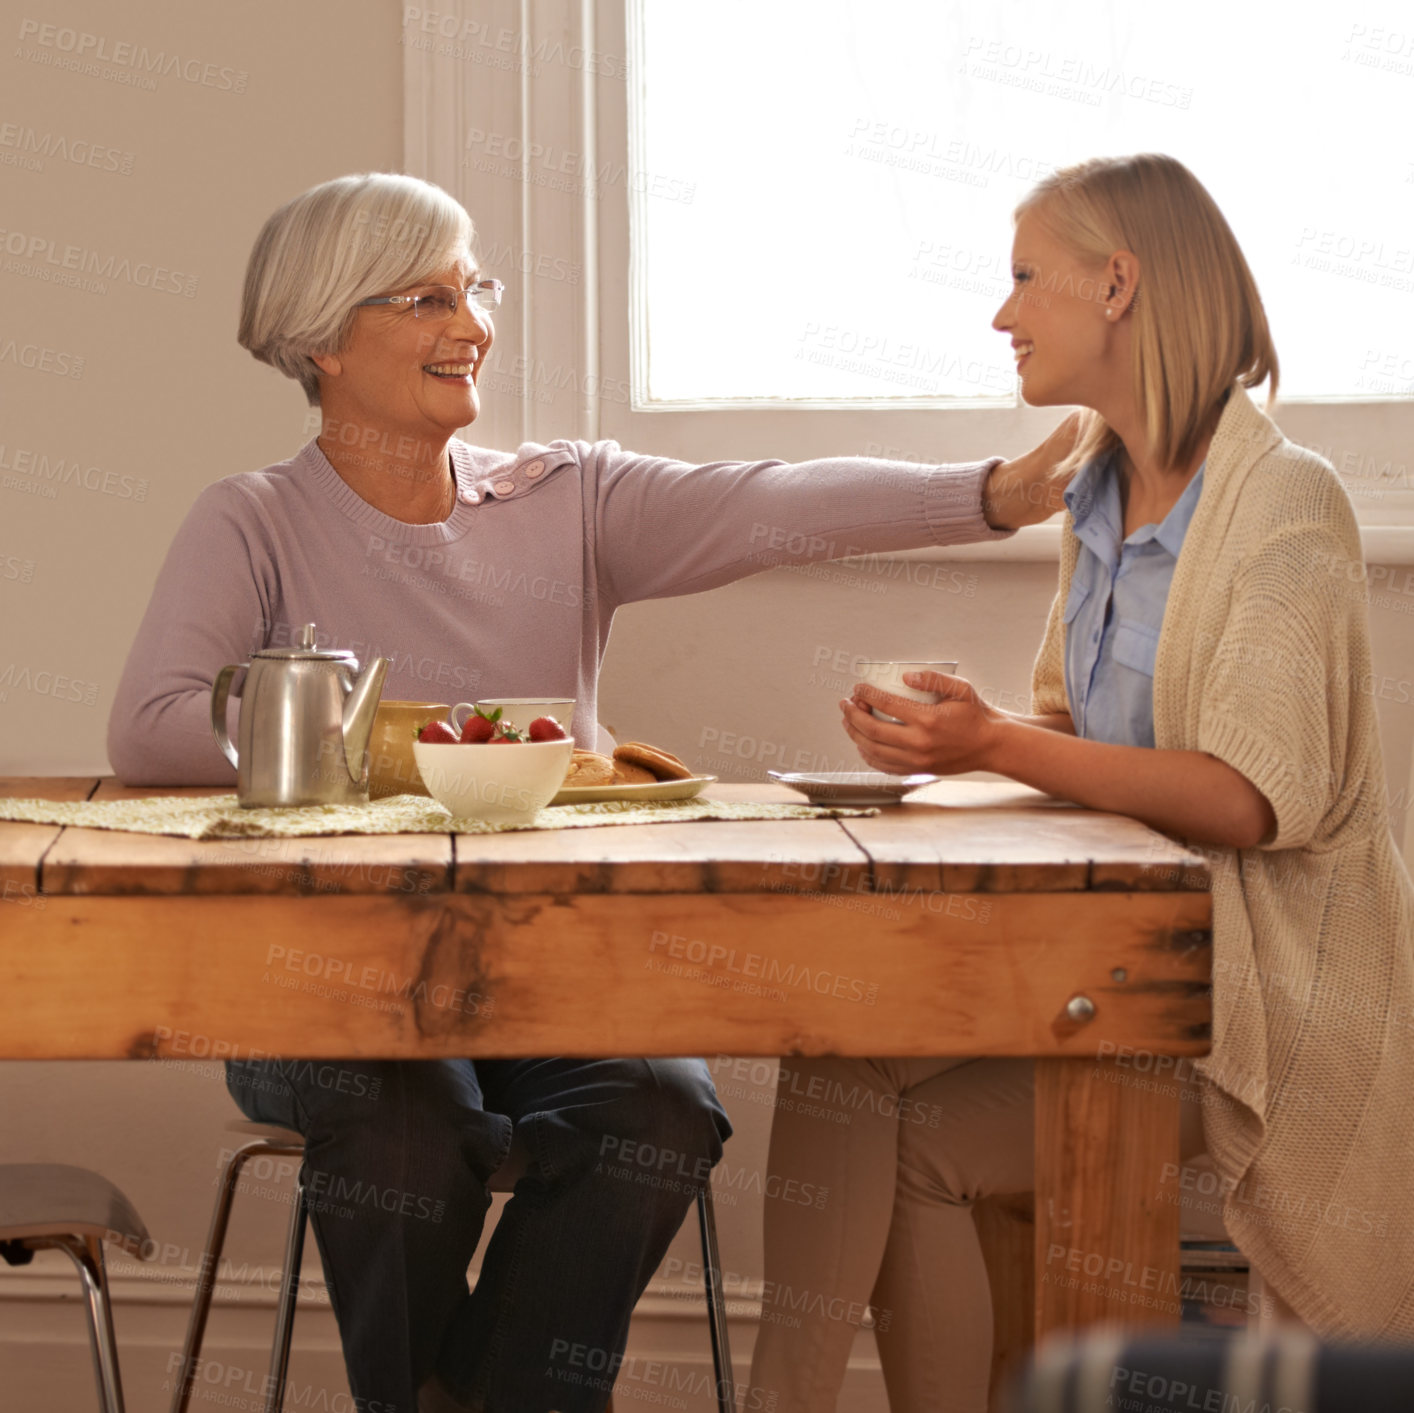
(359, 710)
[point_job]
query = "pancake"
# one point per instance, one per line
(589, 768)
(663, 765)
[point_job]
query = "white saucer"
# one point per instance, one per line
(853, 787)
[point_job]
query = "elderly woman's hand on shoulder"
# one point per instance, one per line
(1029, 489)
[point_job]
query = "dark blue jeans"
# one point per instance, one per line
(397, 1155)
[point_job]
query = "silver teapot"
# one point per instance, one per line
(304, 725)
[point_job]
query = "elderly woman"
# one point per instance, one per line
(397, 538)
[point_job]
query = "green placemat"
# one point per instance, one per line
(220, 817)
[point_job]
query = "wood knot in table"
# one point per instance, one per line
(454, 988)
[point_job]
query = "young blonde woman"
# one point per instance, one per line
(1205, 669)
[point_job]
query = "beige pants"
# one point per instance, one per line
(874, 1167)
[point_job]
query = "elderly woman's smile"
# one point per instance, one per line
(451, 372)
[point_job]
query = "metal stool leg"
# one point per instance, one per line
(289, 1295)
(87, 1254)
(716, 1303)
(211, 1260)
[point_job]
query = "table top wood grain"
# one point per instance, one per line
(954, 837)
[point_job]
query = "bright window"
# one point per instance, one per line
(821, 210)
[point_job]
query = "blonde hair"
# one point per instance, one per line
(1199, 324)
(339, 242)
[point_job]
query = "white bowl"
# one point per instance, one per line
(504, 784)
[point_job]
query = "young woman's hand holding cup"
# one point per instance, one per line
(953, 735)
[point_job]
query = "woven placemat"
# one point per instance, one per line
(220, 817)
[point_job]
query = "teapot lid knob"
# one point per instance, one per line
(302, 649)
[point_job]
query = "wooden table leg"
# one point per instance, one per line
(1106, 1196)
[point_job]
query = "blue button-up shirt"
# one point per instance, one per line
(1116, 606)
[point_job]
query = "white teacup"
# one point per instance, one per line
(888, 677)
(516, 711)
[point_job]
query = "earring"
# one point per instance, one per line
(1109, 313)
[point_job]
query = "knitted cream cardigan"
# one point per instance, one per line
(1308, 1094)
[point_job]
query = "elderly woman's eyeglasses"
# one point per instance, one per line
(441, 301)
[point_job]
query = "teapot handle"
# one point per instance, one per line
(220, 690)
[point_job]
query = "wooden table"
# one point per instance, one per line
(977, 919)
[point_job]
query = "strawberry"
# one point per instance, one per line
(478, 729)
(546, 728)
(438, 733)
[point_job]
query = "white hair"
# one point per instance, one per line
(337, 243)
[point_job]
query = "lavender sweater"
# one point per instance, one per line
(512, 595)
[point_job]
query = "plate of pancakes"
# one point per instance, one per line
(636, 771)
